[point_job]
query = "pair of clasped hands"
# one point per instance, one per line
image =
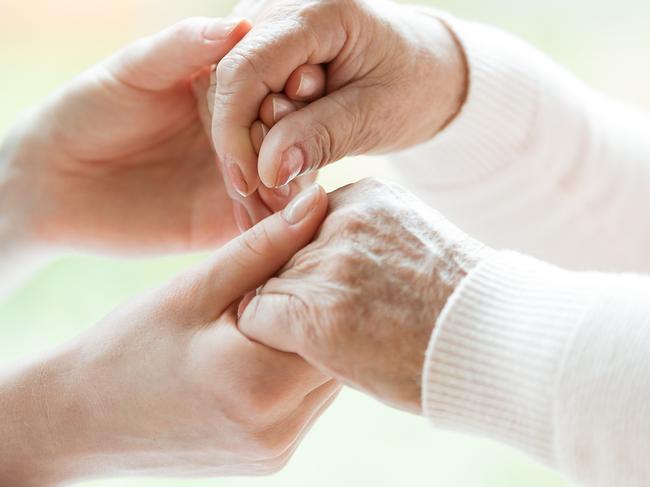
(155, 150)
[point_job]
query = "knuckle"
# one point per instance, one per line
(299, 314)
(235, 68)
(318, 324)
(371, 197)
(350, 274)
(378, 185)
(353, 127)
(188, 30)
(257, 241)
(323, 144)
(308, 18)
(352, 219)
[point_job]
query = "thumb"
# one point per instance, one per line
(320, 133)
(160, 61)
(251, 259)
(271, 319)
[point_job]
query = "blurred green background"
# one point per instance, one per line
(358, 442)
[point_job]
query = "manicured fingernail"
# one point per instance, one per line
(302, 204)
(212, 89)
(257, 135)
(283, 191)
(236, 178)
(221, 29)
(263, 130)
(307, 86)
(291, 166)
(281, 107)
(242, 218)
(243, 303)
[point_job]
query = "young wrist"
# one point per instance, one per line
(17, 155)
(21, 250)
(39, 421)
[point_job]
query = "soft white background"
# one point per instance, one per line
(358, 442)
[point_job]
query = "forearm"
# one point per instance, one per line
(547, 361)
(538, 161)
(33, 423)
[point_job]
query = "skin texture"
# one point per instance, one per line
(305, 84)
(361, 301)
(118, 160)
(380, 95)
(167, 385)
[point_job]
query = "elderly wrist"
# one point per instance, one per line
(449, 68)
(459, 75)
(449, 272)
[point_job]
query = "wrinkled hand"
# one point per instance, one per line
(395, 77)
(305, 84)
(118, 160)
(361, 301)
(168, 385)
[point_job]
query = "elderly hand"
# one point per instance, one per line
(276, 106)
(168, 385)
(118, 160)
(395, 77)
(361, 301)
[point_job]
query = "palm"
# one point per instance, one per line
(134, 170)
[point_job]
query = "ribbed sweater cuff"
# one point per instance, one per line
(495, 357)
(496, 117)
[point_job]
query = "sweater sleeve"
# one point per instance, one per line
(538, 162)
(551, 362)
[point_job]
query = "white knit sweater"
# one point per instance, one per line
(551, 361)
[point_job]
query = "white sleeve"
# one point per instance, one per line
(552, 362)
(537, 161)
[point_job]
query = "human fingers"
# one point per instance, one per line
(162, 60)
(307, 83)
(249, 260)
(261, 64)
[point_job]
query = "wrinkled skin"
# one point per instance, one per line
(167, 385)
(305, 84)
(361, 301)
(395, 77)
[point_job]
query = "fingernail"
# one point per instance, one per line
(307, 86)
(281, 107)
(291, 166)
(300, 207)
(283, 191)
(221, 29)
(212, 89)
(244, 303)
(237, 178)
(265, 130)
(257, 136)
(242, 218)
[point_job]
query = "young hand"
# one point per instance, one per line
(118, 161)
(168, 385)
